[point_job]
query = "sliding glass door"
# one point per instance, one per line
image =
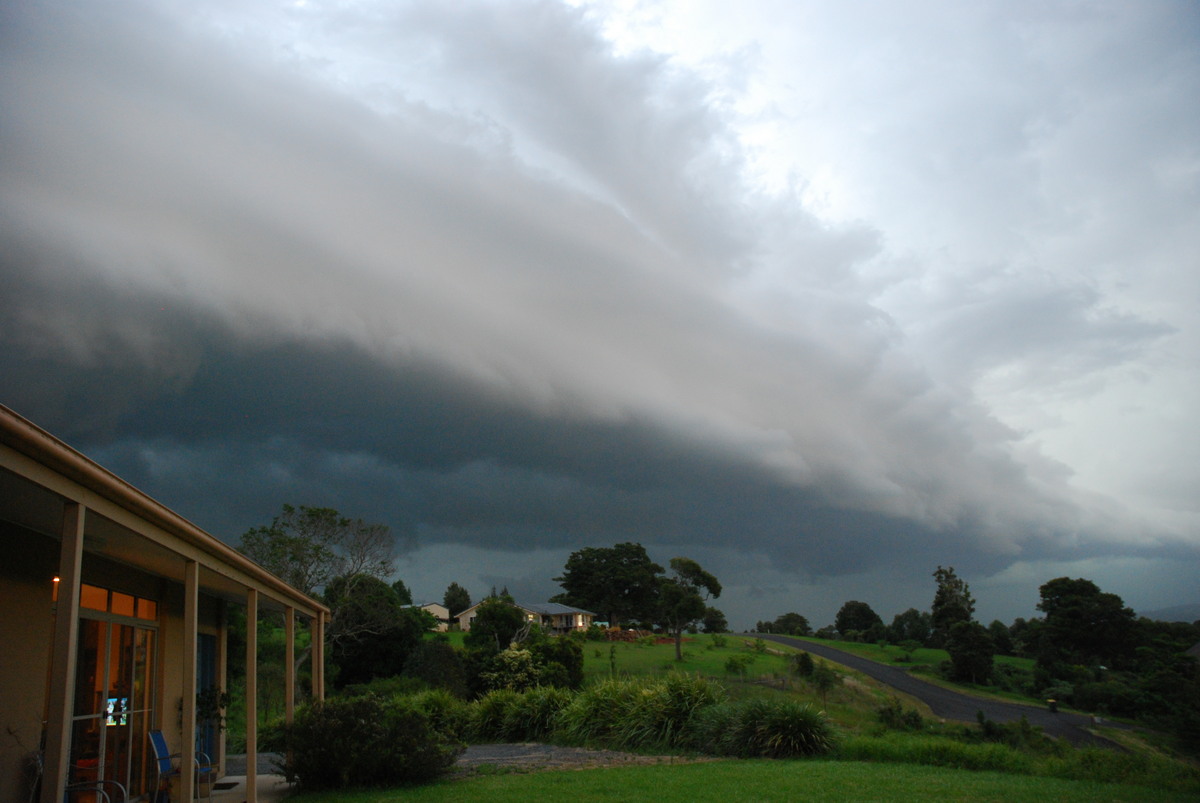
(114, 691)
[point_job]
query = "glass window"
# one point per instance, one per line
(122, 604)
(147, 609)
(93, 598)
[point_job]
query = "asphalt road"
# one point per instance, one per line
(948, 704)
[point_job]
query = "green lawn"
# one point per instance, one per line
(757, 780)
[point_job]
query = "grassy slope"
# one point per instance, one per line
(757, 780)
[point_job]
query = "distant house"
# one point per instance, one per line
(550, 616)
(115, 612)
(438, 611)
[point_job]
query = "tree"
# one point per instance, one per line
(912, 625)
(371, 634)
(1083, 625)
(309, 546)
(681, 598)
(971, 650)
(456, 599)
(951, 604)
(855, 616)
(497, 624)
(403, 593)
(619, 582)
(715, 621)
(791, 624)
(1001, 637)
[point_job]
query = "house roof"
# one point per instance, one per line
(130, 527)
(551, 608)
(540, 608)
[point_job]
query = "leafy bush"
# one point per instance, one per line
(1020, 735)
(802, 664)
(738, 664)
(895, 716)
(439, 665)
(446, 712)
(365, 741)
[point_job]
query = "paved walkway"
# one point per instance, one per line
(954, 705)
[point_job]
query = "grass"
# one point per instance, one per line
(757, 780)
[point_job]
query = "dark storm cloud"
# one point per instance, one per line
(466, 271)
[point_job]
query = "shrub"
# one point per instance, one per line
(533, 715)
(738, 664)
(895, 716)
(761, 728)
(661, 712)
(365, 741)
(802, 664)
(489, 714)
(596, 711)
(446, 712)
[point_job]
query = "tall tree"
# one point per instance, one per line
(856, 617)
(619, 582)
(715, 621)
(309, 546)
(681, 598)
(952, 603)
(497, 624)
(912, 625)
(971, 650)
(456, 599)
(791, 624)
(403, 592)
(1083, 624)
(371, 634)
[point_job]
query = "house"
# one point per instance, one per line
(550, 616)
(438, 611)
(114, 618)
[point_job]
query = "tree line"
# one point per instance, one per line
(1089, 649)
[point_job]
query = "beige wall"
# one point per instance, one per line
(27, 564)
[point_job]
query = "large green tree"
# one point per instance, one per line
(971, 652)
(1083, 625)
(682, 597)
(456, 599)
(952, 603)
(856, 617)
(372, 633)
(497, 624)
(309, 546)
(620, 583)
(912, 625)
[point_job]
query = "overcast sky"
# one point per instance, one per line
(820, 294)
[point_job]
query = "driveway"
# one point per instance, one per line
(949, 704)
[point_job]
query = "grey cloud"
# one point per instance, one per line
(537, 313)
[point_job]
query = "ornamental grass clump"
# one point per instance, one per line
(596, 712)
(489, 716)
(533, 715)
(366, 741)
(761, 729)
(661, 712)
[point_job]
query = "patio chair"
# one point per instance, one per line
(165, 764)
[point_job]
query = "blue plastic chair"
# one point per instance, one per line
(164, 762)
